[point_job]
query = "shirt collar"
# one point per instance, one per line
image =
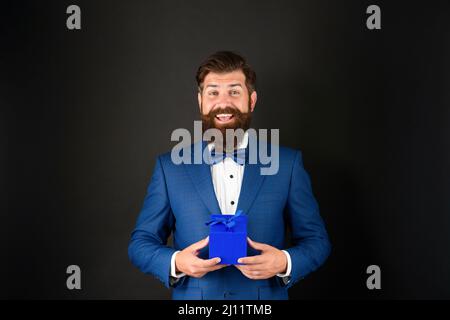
(241, 145)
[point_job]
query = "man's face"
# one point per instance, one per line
(225, 102)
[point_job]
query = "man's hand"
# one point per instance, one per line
(270, 262)
(187, 261)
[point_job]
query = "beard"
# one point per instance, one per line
(240, 120)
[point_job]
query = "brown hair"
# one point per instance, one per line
(223, 62)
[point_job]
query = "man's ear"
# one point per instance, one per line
(199, 97)
(253, 98)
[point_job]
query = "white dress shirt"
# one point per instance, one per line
(227, 180)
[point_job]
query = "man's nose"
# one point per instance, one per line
(222, 105)
(223, 101)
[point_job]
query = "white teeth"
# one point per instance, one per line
(224, 116)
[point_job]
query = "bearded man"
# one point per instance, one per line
(181, 197)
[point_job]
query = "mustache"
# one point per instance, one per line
(227, 109)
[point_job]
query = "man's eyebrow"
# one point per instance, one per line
(229, 86)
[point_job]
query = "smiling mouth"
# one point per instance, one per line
(224, 117)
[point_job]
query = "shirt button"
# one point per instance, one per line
(232, 202)
(231, 176)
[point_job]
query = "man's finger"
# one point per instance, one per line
(241, 269)
(252, 267)
(208, 262)
(256, 245)
(251, 260)
(200, 244)
(251, 274)
(216, 267)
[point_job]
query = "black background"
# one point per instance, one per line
(84, 114)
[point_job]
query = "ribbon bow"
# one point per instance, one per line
(238, 156)
(226, 219)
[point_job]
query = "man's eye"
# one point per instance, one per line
(235, 92)
(213, 93)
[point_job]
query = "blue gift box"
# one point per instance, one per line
(228, 237)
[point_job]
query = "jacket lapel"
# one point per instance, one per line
(201, 178)
(200, 175)
(251, 184)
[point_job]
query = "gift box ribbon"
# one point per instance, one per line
(226, 219)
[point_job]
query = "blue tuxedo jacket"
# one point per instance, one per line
(180, 199)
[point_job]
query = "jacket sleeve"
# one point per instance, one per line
(148, 248)
(311, 246)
